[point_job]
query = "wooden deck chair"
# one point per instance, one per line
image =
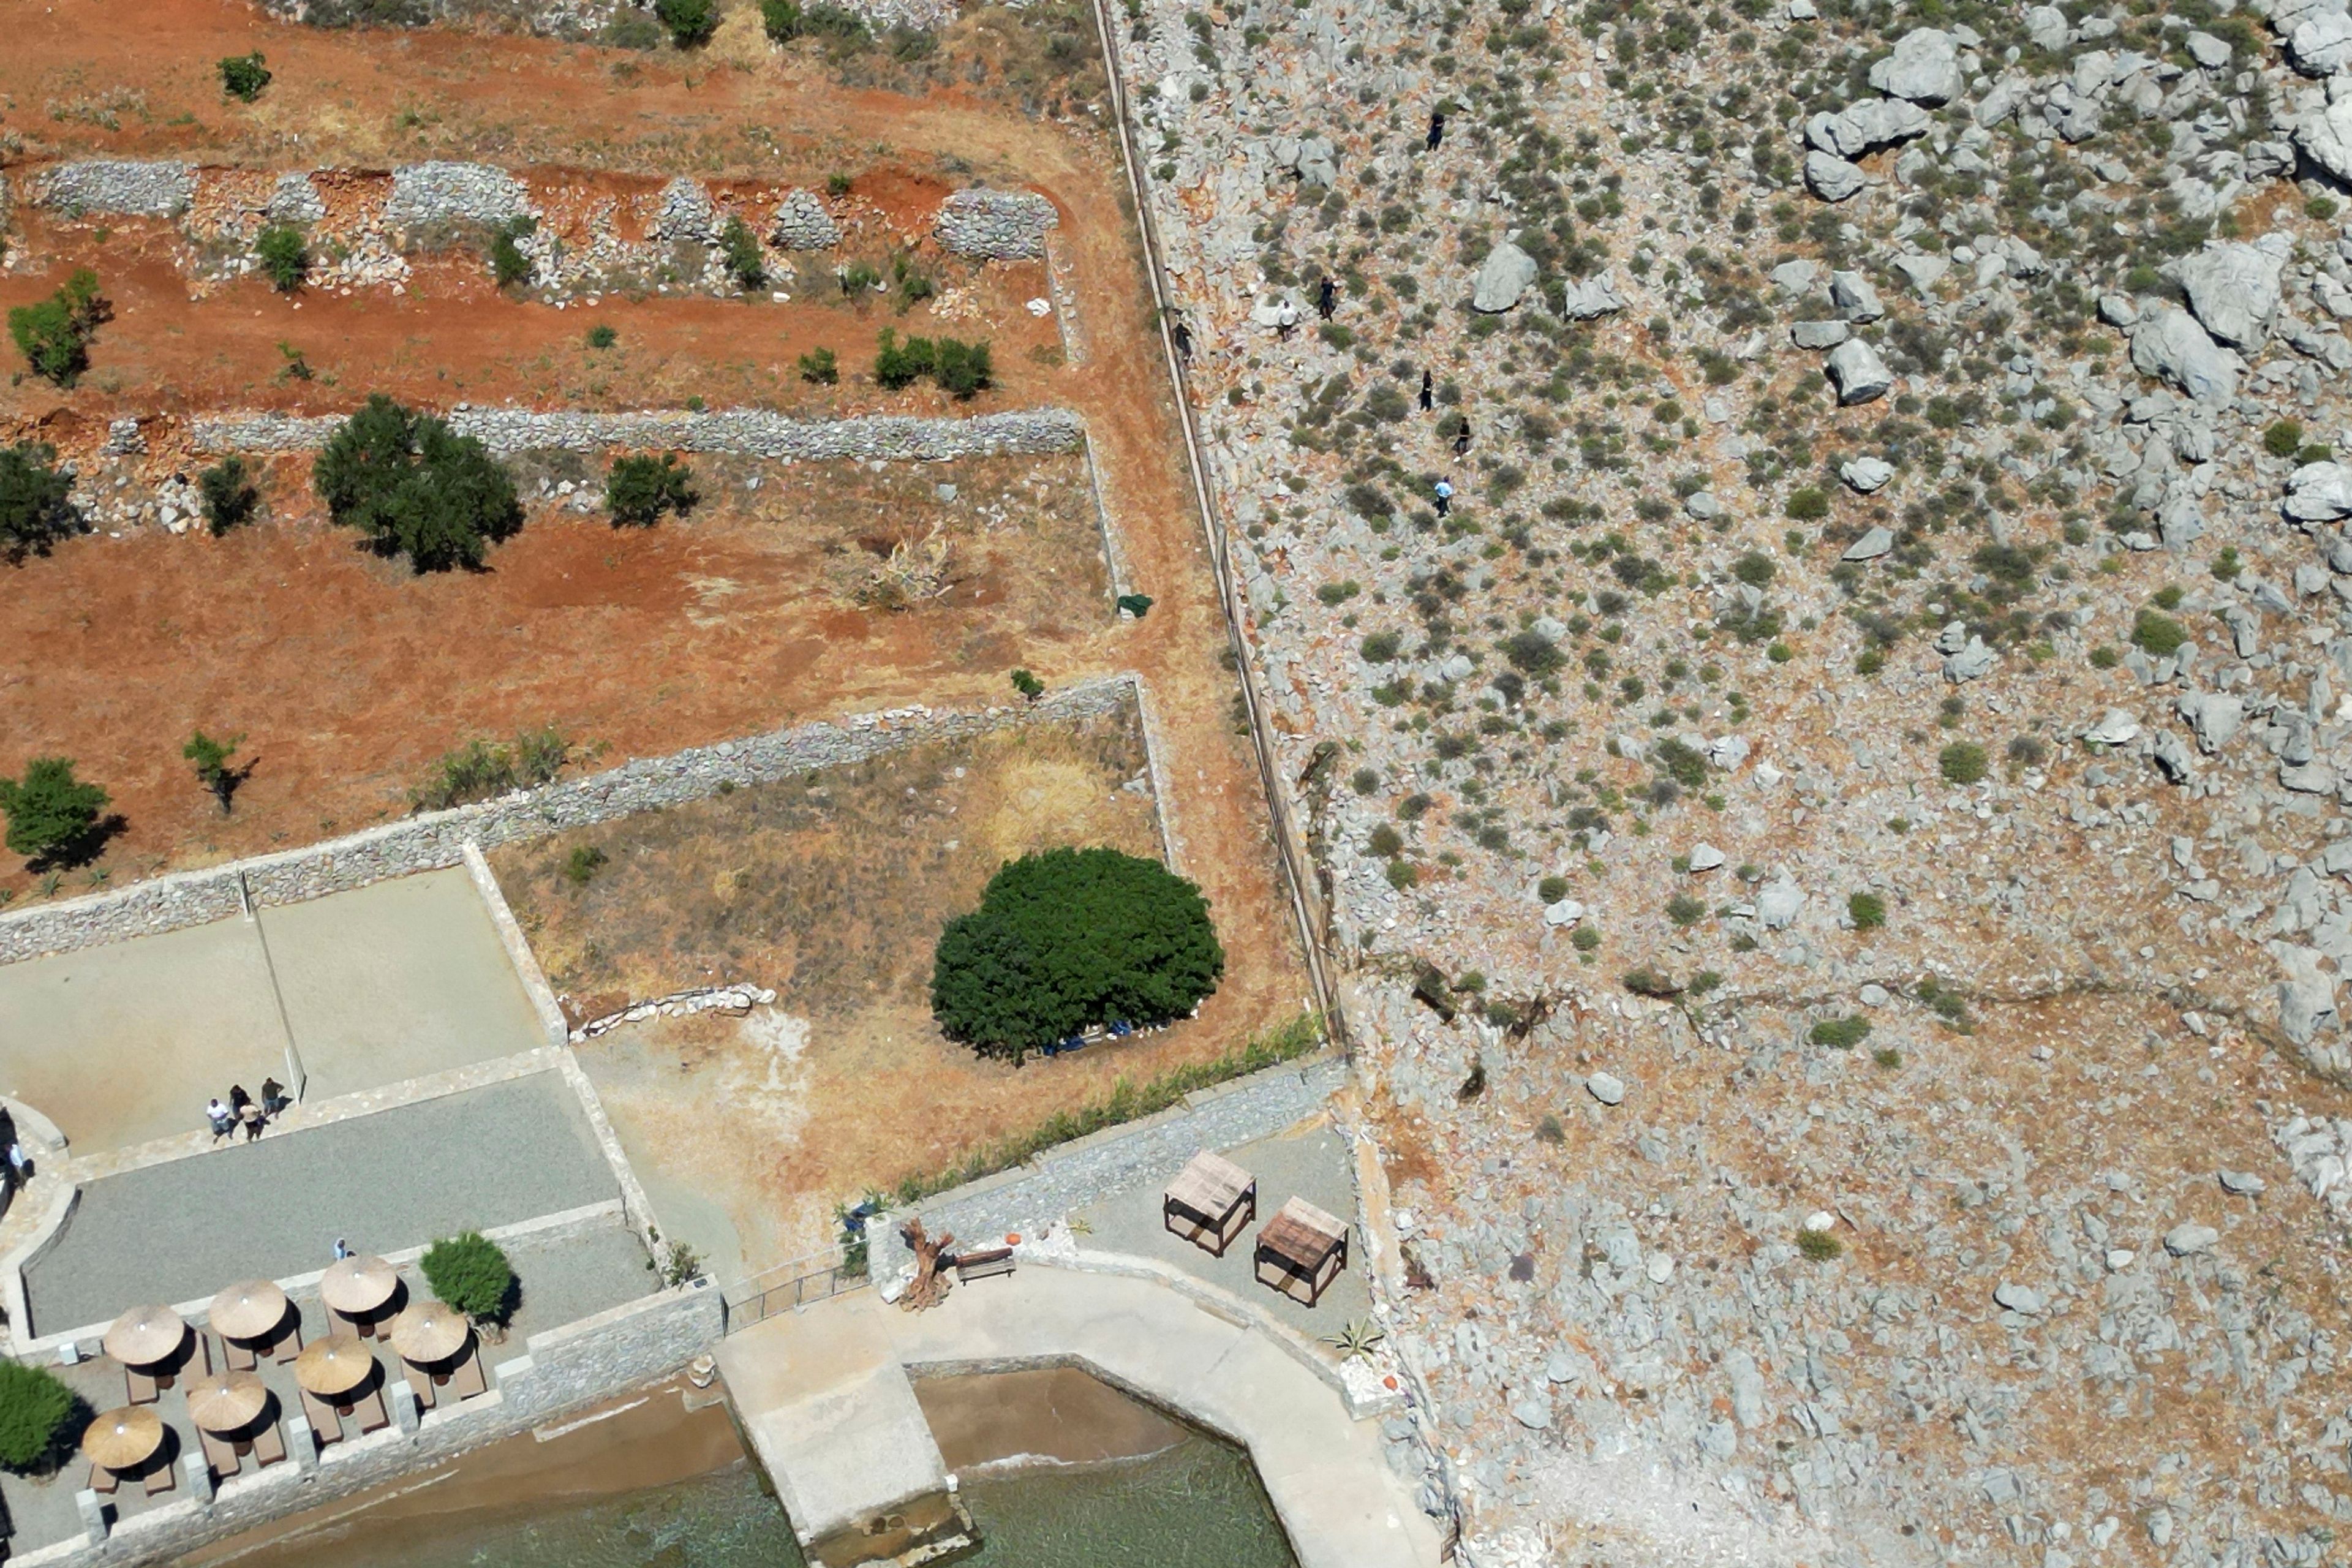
(422, 1381)
(373, 1416)
(204, 1351)
(288, 1344)
(220, 1454)
(465, 1379)
(238, 1356)
(323, 1418)
(163, 1478)
(139, 1388)
(268, 1445)
(103, 1482)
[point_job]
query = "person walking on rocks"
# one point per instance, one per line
(1427, 396)
(1285, 320)
(1462, 439)
(1328, 300)
(1436, 128)
(1183, 336)
(1445, 493)
(223, 1119)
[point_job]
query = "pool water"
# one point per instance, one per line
(1197, 1504)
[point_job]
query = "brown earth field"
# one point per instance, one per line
(832, 890)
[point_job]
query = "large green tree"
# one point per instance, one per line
(35, 511)
(1070, 938)
(50, 813)
(415, 487)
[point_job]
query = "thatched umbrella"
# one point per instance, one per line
(123, 1439)
(357, 1286)
(334, 1365)
(228, 1401)
(249, 1309)
(429, 1332)
(145, 1335)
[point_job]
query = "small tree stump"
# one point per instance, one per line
(931, 1282)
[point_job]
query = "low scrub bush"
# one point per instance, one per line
(820, 368)
(483, 770)
(36, 513)
(53, 334)
(285, 256)
(781, 20)
(228, 494)
(1070, 939)
(738, 247)
(243, 76)
(470, 1272)
(52, 816)
(1962, 763)
(1867, 910)
(414, 487)
(960, 368)
(1841, 1034)
(691, 22)
(641, 489)
(1820, 1246)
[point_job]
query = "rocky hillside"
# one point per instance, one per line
(1803, 584)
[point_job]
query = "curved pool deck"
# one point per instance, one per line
(821, 1393)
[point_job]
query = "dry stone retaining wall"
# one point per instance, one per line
(747, 432)
(438, 839)
(1005, 225)
(109, 185)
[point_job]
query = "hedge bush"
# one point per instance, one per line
(1067, 940)
(415, 487)
(471, 1273)
(35, 509)
(640, 489)
(54, 333)
(34, 1407)
(50, 813)
(284, 256)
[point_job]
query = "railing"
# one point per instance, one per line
(788, 1287)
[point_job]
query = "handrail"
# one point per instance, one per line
(1287, 844)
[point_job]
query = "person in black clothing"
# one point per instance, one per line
(1462, 439)
(1436, 128)
(1183, 336)
(1424, 392)
(238, 1099)
(1329, 300)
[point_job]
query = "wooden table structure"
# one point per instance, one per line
(1304, 1248)
(1209, 1203)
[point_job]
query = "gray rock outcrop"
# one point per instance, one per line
(2167, 342)
(2233, 288)
(1924, 68)
(1857, 372)
(1503, 278)
(1592, 298)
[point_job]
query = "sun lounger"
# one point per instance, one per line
(268, 1445)
(220, 1454)
(422, 1381)
(466, 1378)
(103, 1482)
(373, 1416)
(239, 1357)
(290, 1342)
(141, 1388)
(323, 1420)
(163, 1477)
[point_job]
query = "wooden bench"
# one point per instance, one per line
(984, 1263)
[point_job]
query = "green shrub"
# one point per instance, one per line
(962, 369)
(602, 335)
(243, 76)
(1755, 568)
(2156, 634)
(1820, 1246)
(1028, 685)
(837, 185)
(229, 495)
(54, 333)
(781, 19)
(1551, 889)
(36, 511)
(1962, 763)
(284, 254)
(738, 247)
(640, 489)
(1867, 910)
(1841, 1034)
(470, 1272)
(633, 30)
(819, 368)
(1070, 938)
(415, 487)
(1807, 504)
(482, 770)
(2284, 438)
(1887, 1056)
(52, 816)
(1684, 911)
(1647, 981)
(1532, 653)
(958, 367)
(841, 24)
(584, 862)
(34, 1407)
(1379, 648)
(691, 22)
(1586, 938)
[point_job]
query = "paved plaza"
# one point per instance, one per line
(400, 1178)
(124, 1042)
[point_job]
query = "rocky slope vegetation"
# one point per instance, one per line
(1803, 584)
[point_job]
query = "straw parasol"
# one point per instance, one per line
(429, 1332)
(145, 1335)
(121, 1438)
(359, 1284)
(248, 1310)
(228, 1401)
(336, 1364)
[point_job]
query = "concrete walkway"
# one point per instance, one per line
(1338, 1501)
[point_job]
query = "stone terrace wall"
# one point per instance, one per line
(746, 431)
(134, 189)
(1005, 226)
(563, 1369)
(438, 839)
